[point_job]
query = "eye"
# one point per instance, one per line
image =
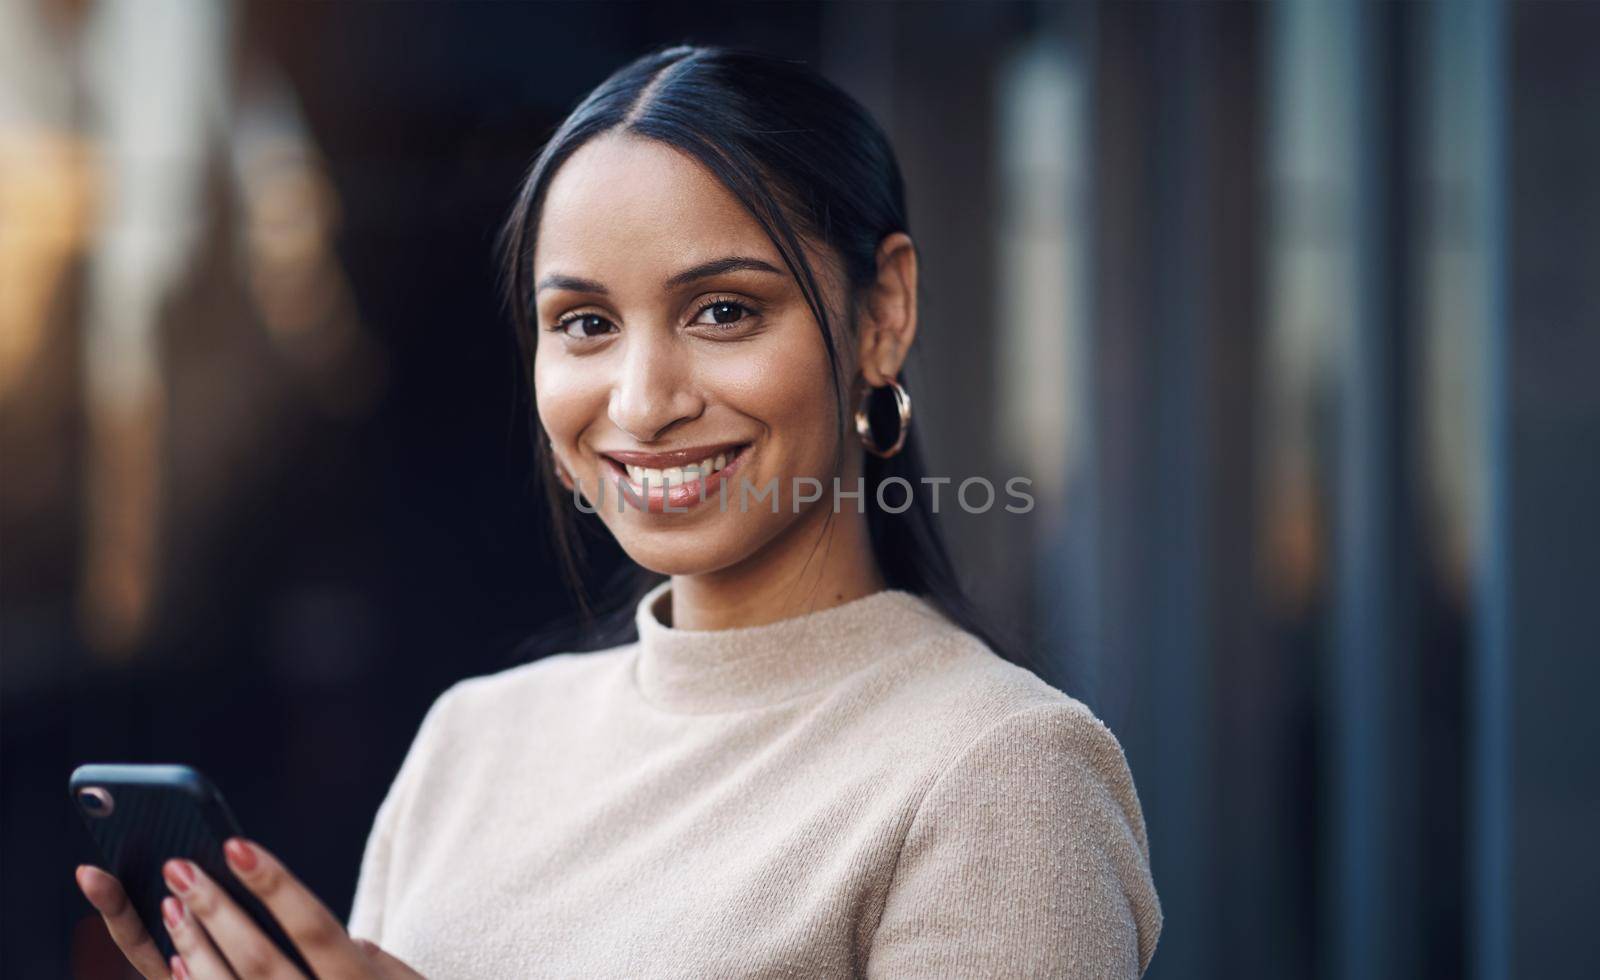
(724, 313)
(582, 326)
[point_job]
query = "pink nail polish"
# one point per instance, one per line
(241, 855)
(179, 971)
(171, 912)
(179, 875)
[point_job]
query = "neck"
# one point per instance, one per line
(805, 569)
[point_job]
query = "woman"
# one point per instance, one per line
(810, 761)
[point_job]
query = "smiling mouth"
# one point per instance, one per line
(677, 479)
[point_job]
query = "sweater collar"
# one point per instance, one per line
(706, 671)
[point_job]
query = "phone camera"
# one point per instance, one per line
(96, 802)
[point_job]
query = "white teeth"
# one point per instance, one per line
(677, 474)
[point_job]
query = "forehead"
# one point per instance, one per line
(623, 204)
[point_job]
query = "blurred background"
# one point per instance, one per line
(1288, 310)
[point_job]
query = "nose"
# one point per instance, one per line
(653, 389)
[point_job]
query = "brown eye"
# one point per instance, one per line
(584, 325)
(726, 312)
(723, 313)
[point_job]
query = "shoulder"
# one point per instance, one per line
(495, 702)
(1044, 760)
(1004, 729)
(1030, 806)
(964, 699)
(984, 725)
(482, 724)
(1011, 728)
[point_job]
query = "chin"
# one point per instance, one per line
(696, 547)
(666, 553)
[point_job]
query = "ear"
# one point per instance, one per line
(887, 320)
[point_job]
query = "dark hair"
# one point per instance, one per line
(810, 164)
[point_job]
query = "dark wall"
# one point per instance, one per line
(1554, 487)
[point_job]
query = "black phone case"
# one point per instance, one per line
(162, 812)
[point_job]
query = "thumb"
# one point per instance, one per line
(388, 966)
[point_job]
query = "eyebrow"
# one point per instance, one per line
(705, 270)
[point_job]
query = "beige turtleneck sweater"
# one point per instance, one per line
(864, 790)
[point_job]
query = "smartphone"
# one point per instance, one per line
(142, 815)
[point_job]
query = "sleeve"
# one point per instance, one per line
(1026, 858)
(373, 884)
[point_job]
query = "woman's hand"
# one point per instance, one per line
(216, 939)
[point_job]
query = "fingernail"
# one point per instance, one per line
(171, 912)
(179, 875)
(81, 877)
(241, 855)
(179, 971)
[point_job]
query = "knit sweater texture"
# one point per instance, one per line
(863, 790)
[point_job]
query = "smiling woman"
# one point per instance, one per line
(660, 350)
(812, 759)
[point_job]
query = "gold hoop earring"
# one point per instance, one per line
(902, 404)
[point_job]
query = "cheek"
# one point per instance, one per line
(785, 386)
(566, 396)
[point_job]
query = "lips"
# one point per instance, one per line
(677, 479)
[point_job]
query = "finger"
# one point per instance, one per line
(319, 937)
(105, 893)
(197, 957)
(388, 966)
(246, 948)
